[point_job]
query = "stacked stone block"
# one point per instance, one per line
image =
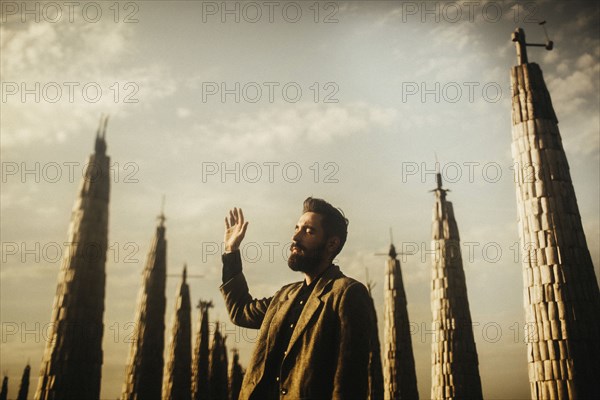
(143, 377)
(72, 362)
(218, 379)
(399, 376)
(455, 370)
(24, 386)
(200, 389)
(178, 372)
(561, 298)
(236, 375)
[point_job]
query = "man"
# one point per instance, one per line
(314, 335)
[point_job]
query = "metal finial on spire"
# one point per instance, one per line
(518, 36)
(99, 130)
(184, 272)
(370, 283)
(100, 145)
(104, 126)
(203, 305)
(161, 216)
(438, 175)
(392, 253)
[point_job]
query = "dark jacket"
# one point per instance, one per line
(328, 354)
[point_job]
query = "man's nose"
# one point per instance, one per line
(296, 236)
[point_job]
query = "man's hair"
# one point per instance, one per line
(334, 221)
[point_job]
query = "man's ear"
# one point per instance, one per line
(333, 244)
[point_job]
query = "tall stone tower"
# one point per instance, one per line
(4, 390)
(178, 374)
(399, 376)
(200, 371)
(72, 363)
(236, 375)
(561, 297)
(24, 387)
(218, 379)
(455, 370)
(144, 371)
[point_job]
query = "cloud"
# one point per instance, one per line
(77, 69)
(573, 86)
(276, 128)
(183, 112)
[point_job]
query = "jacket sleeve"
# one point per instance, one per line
(244, 310)
(352, 371)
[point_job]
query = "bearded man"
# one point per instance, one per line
(315, 335)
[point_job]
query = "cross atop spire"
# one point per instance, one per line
(100, 146)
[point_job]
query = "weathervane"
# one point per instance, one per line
(392, 253)
(185, 274)
(518, 36)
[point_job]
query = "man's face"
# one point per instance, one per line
(309, 242)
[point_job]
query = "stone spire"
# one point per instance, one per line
(72, 363)
(4, 391)
(218, 381)
(200, 389)
(236, 375)
(375, 369)
(561, 297)
(24, 388)
(455, 371)
(178, 374)
(145, 365)
(399, 376)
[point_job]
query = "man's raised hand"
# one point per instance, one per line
(235, 230)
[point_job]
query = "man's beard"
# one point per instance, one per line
(308, 261)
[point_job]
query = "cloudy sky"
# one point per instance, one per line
(261, 105)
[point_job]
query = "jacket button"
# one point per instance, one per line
(283, 391)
